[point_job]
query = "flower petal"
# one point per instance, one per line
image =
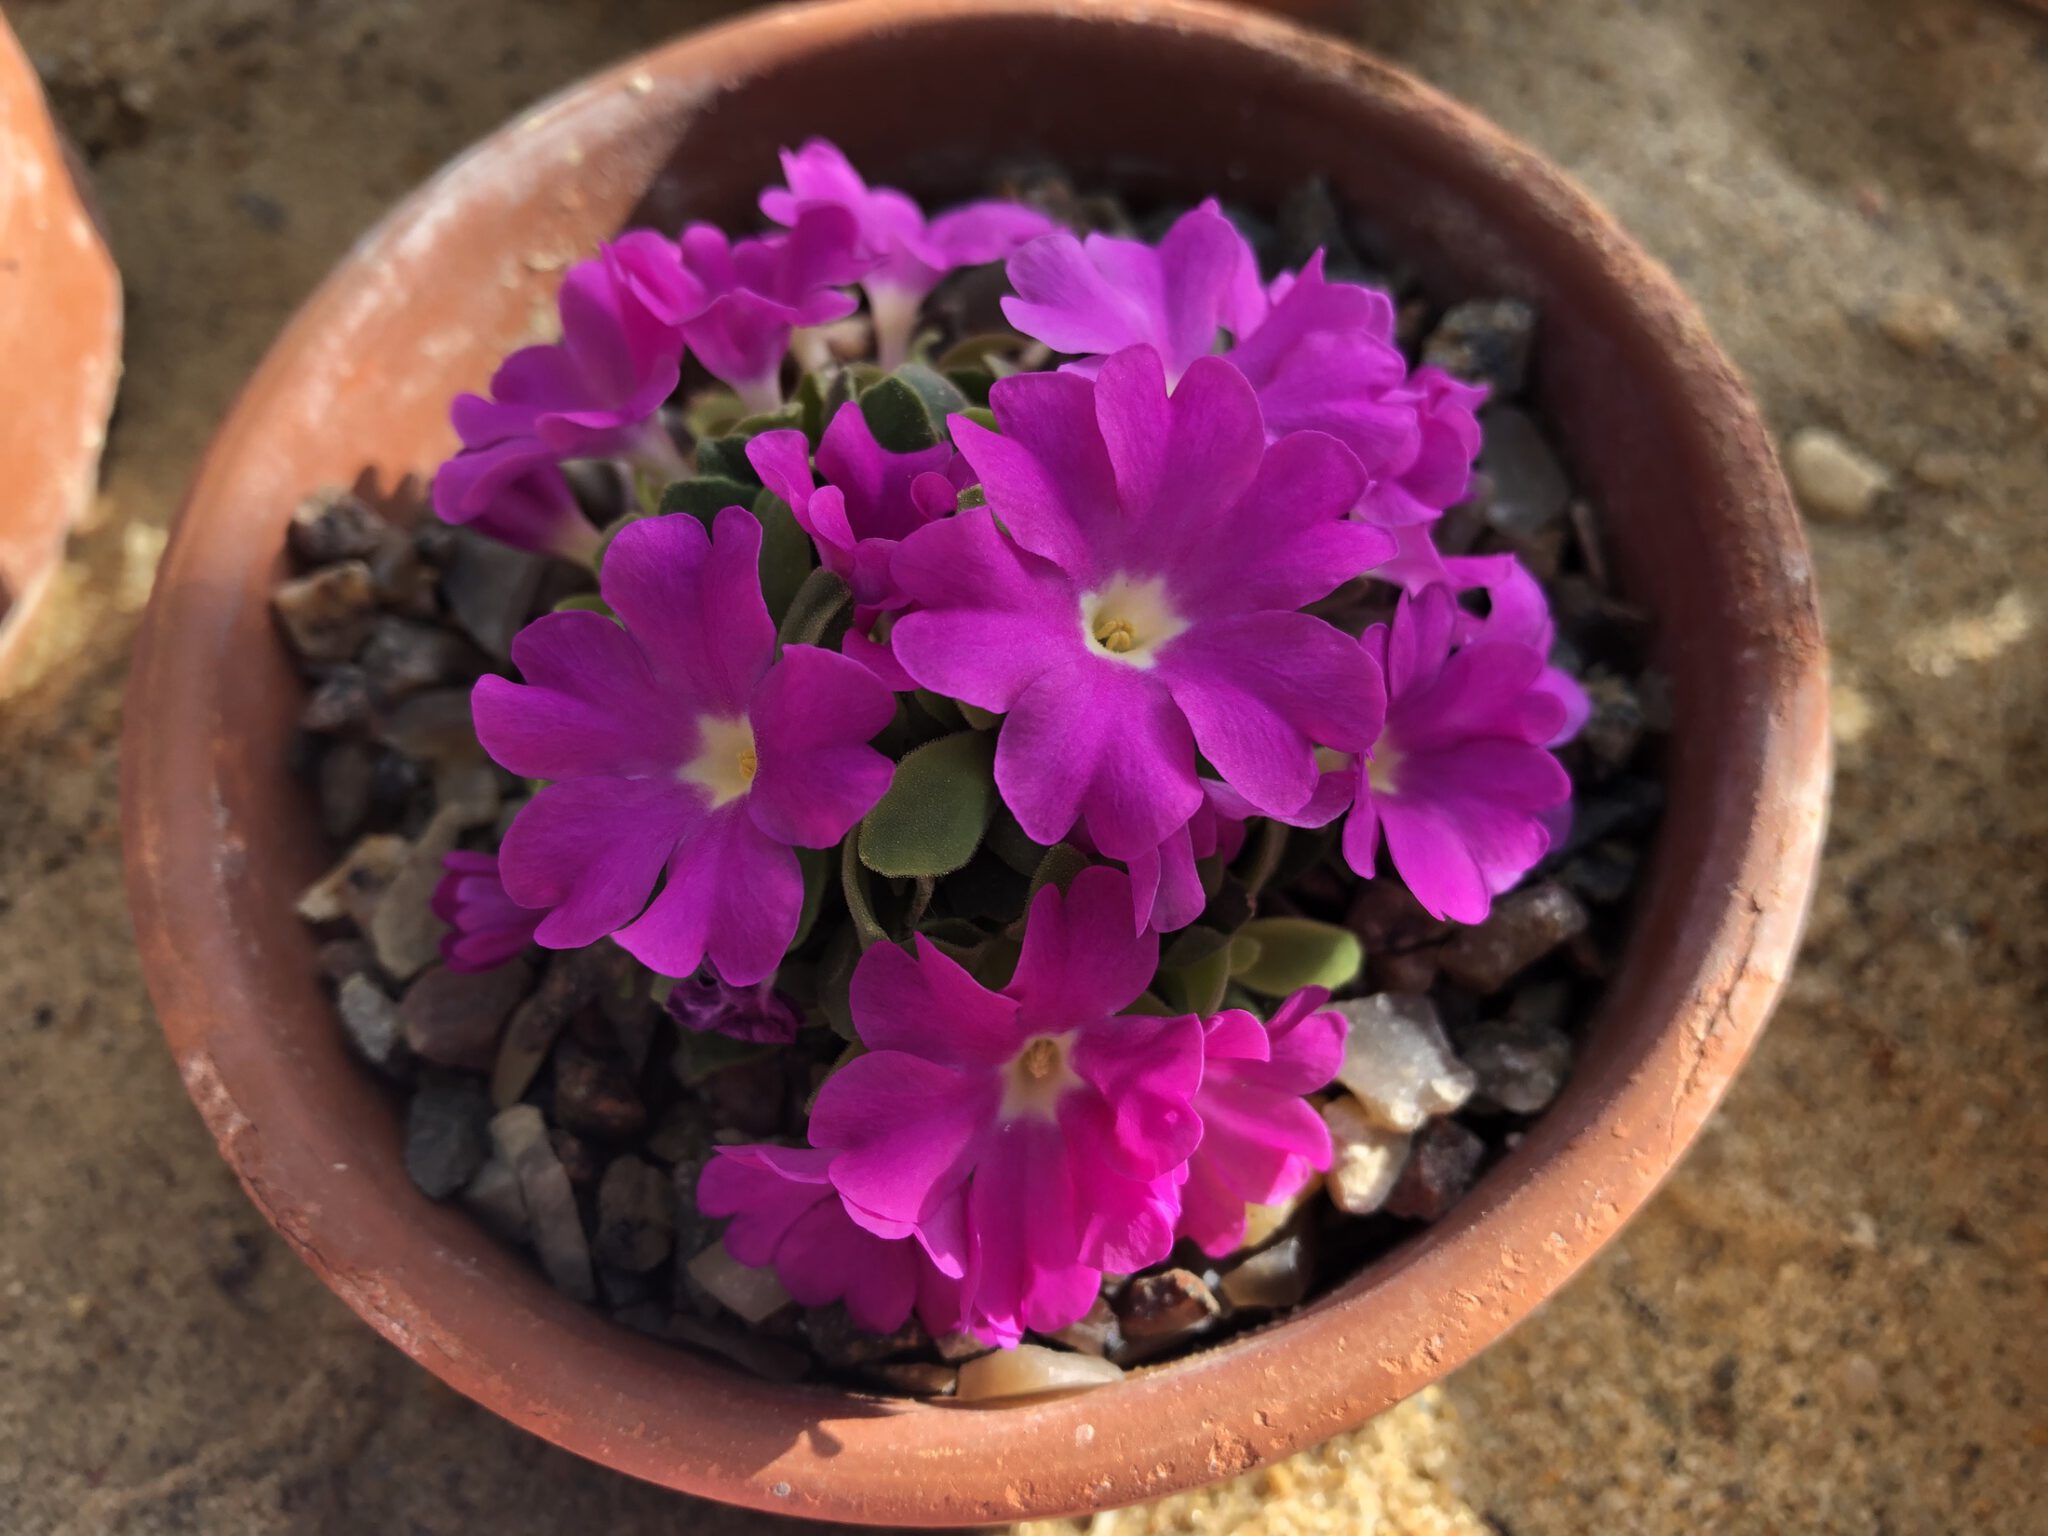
(813, 716)
(589, 705)
(589, 850)
(732, 893)
(693, 601)
(907, 1132)
(930, 1007)
(1082, 963)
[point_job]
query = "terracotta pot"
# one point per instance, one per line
(1159, 97)
(60, 333)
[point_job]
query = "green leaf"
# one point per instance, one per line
(835, 982)
(702, 1055)
(940, 708)
(975, 351)
(1152, 1006)
(816, 863)
(898, 416)
(941, 399)
(860, 896)
(1262, 854)
(1060, 865)
(822, 600)
(1200, 986)
(585, 602)
(981, 416)
(987, 890)
(711, 413)
(1298, 952)
(604, 542)
(705, 496)
(785, 554)
(725, 458)
(1008, 842)
(931, 819)
(809, 400)
(782, 419)
(1191, 946)
(995, 964)
(981, 719)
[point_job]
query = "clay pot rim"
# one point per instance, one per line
(1383, 1334)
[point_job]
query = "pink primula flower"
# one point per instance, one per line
(1261, 1139)
(486, 927)
(1031, 1138)
(903, 252)
(1130, 592)
(680, 745)
(787, 1216)
(1459, 778)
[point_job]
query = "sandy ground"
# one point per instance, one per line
(1829, 1322)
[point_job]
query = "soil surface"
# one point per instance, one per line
(1829, 1321)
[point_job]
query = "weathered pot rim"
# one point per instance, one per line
(495, 1333)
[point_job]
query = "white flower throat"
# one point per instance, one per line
(1128, 621)
(726, 762)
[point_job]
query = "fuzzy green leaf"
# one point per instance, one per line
(1296, 952)
(585, 602)
(1060, 865)
(941, 399)
(705, 496)
(860, 897)
(819, 603)
(785, 554)
(816, 863)
(936, 809)
(898, 416)
(725, 458)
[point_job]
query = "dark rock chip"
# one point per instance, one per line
(1097, 1333)
(579, 1159)
(1169, 1305)
(520, 1136)
(453, 1017)
(566, 987)
(433, 726)
(356, 884)
(334, 526)
(347, 771)
(402, 656)
(401, 791)
(447, 1135)
(404, 582)
(1603, 874)
(623, 1288)
(1521, 1063)
(1385, 916)
(837, 1340)
(1273, 1277)
(1525, 926)
(1530, 491)
(1485, 341)
(1615, 728)
(369, 1019)
(914, 1378)
(596, 1093)
(1441, 1166)
(1411, 970)
(343, 958)
(490, 589)
(327, 616)
(339, 703)
(636, 1218)
(748, 1097)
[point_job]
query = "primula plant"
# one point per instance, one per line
(963, 710)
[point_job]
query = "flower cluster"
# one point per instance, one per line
(923, 692)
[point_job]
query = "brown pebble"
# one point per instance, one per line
(636, 1219)
(327, 616)
(1165, 1306)
(1442, 1163)
(595, 1093)
(1524, 926)
(453, 1017)
(332, 526)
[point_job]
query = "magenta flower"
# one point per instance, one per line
(1459, 778)
(870, 500)
(1138, 600)
(704, 1004)
(1166, 888)
(1098, 295)
(529, 508)
(486, 927)
(1261, 1139)
(905, 253)
(680, 743)
(1438, 474)
(786, 1215)
(1030, 1138)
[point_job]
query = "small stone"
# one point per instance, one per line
(1397, 1063)
(1520, 1064)
(622, 1288)
(340, 959)
(339, 702)
(453, 1017)
(1943, 468)
(352, 888)
(447, 1133)
(1834, 480)
(404, 928)
(579, 1159)
(1174, 1304)
(347, 769)
(520, 1136)
(959, 1347)
(1591, 539)
(681, 1137)
(770, 1359)
(1278, 1276)
(332, 526)
(1441, 1167)
(1603, 875)
(494, 1197)
(1485, 341)
(1920, 323)
(369, 1020)
(915, 1378)
(433, 726)
(401, 792)
(837, 1340)
(1530, 491)
(1032, 1370)
(1097, 1333)
(490, 589)
(1862, 1382)
(748, 1097)
(327, 616)
(1262, 1223)
(403, 656)
(1386, 916)
(755, 1295)
(566, 987)
(404, 583)
(1614, 729)
(1412, 970)
(595, 1093)
(1525, 926)
(636, 1217)
(1365, 1158)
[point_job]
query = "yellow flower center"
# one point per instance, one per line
(1128, 621)
(726, 761)
(1383, 771)
(1037, 1078)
